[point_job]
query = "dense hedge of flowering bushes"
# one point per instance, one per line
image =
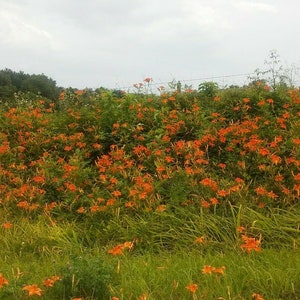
(94, 154)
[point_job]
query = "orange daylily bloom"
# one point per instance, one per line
(117, 250)
(7, 225)
(32, 290)
(3, 281)
(200, 240)
(250, 244)
(192, 287)
(207, 269)
(256, 296)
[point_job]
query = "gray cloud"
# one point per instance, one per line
(116, 42)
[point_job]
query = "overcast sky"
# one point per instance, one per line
(116, 43)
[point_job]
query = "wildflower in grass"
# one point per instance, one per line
(264, 151)
(118, 249)
(260, 191)
(114, 298)
(130, 204)
(7, 225)
(256, 296)
(241, 229)
(81, 210)
(23, 204)
(214, 201)
(143, 297)
(220, 270)
(70, 186)
(222, 193)
(200, 240)
(250, 244)
(192, 287)
(209, 182)
(205, 204)
(39, 179)
(4, 148)
(49, 206)
(32, 290)
(279, 178)
(297, 177)
(68, 148)
(272, 195)
(161, 208)
(49, 282)
(116, 193)
(296, 141)
(110, 202)
(3, 281)
(275, 159)
(207, 269)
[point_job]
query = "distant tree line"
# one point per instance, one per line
(38, 84)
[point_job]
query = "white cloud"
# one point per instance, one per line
(17, 30)
(95, 42)
(256, 6)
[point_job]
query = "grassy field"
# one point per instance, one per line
(185, 195)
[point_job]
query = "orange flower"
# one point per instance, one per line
(33, 290)
(128, 245)
(260, 191)
(68, 148)
(222, 193)
(264, 151)
(117, 250)
(39, 179)
(205, 204)
(209, 182)
(116, 193)
(214, 201)
(161, 208)
(192, 287)
(7, 225)
(207, 269)
(241, 229)
(275, 159)
(250, 244)
(3, 281)
(49, 282)
(220, 270)
(256, 296)
(143, 297)
(81, 210)
(200, 240)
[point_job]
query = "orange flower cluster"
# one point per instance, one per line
(250, 244)
(118, 249)
(3, 281)
(207, 269)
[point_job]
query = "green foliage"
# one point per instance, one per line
(87, 277)
(101, 179)
(11, 82)
(208, 89)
